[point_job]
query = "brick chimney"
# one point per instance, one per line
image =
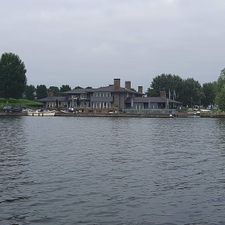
(116, 84)
(128, 85)
(140, 89)
(163, 94)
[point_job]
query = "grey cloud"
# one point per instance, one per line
(89, 42)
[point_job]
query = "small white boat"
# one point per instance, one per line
(39, 113)
(197, 113)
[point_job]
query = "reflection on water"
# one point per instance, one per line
(112, 171)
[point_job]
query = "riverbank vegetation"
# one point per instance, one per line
(188, 91)
(19, 103)
(14, 89)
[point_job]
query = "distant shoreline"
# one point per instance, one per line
(120, 115)
(115, 115)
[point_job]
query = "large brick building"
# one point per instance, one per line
(110, 98)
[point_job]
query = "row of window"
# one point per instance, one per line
(101, 105)
(96, 94)
(84, 96)
(102, 94)
(54, 104)
(148, 106)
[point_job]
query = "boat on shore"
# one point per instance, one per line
(41, 113)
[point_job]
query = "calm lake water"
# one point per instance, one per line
(59, 171)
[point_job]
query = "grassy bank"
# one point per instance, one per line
(19, 103)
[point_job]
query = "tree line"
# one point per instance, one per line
(41, 91)
(188, 91)
(13, 84)
(13, 81)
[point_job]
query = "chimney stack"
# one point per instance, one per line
(128, 85)
(163, 94)
(140, 89)
(116, 84)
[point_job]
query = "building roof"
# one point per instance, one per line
(53, 99)
(110, 88)
(80, 91)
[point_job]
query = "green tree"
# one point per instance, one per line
(53, 91)
(12, 76)
(65, 87)
(165, 82)
(30, 92)
(220, 98)
(191, 92)
(188, 91)
(221, 80)
(209, 90)
(41, 91)
(220, 95)
(151, 92)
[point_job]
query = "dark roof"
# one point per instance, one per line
(80, 91)
(110, 88)
(53, 99)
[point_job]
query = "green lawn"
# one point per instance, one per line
(19, 103)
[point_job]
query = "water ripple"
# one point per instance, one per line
(112, 171)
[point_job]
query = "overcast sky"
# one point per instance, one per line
(90, 42)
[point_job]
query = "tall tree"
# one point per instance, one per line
(12, 76)
(41, 91)
(30, 92)
(53, 91)
(188, 91)
(165, 82)
(220, 98)
(65, 87)
(209, 90)
(220, 95)
(191, 93)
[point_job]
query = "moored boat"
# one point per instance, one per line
(41, 113)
